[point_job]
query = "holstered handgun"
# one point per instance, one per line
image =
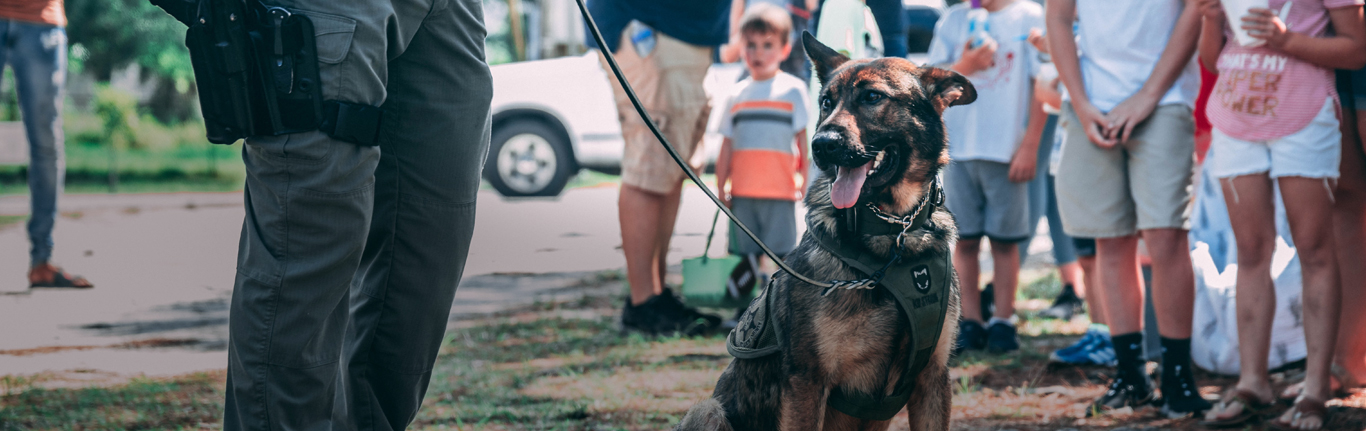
(256, 68)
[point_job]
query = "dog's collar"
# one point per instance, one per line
(871, 221)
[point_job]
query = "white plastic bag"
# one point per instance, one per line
(1214, 344)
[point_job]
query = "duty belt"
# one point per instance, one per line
(256, 68)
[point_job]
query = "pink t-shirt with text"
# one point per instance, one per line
(1264, 94)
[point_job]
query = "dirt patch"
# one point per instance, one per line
(138, 344)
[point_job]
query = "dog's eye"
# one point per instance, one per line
(872, 97)
(826, 104)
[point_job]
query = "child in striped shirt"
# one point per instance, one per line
(764, 150)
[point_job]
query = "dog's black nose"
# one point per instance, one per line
(825, 144)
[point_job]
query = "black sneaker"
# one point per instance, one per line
(664, 314)
(1181, 397)
(1125, 391)
(988, 301)
(971, 336)
(1001, 338)
(1065, 305)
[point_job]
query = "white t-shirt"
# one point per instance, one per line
(991, 127)
(1120, 43)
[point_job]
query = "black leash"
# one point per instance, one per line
(631, 94)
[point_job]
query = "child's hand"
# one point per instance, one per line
(725, 198)
(1094, 123)
(976, 59)
(1262, 23)
(1023, 165)
(1128, 114)
(1212, 9)
(1036, 38)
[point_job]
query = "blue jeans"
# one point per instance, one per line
(1043, 203)
(37, 52)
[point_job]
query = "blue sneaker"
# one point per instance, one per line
(1091, 336)
(1094, 348)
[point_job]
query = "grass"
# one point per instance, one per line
(192, 401)
(563, 366)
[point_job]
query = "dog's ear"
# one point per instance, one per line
(824, 58)
(946, 88)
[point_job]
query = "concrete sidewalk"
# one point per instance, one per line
(163, 265)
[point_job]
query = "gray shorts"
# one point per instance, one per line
(773, 221)
(984, 201)
(1144, 183)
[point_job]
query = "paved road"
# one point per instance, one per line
(164, 266)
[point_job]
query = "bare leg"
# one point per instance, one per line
(1349, 221)
(1173, 281)
(965, 262)
(1095, 296)
(668, 217)
(1349, 216)
(1120, 277)
(1310, 207)
(640, 214)
(1253, 217)
(1005, 257)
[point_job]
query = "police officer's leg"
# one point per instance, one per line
(308, 205)
(434, 139)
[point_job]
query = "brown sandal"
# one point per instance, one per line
(1253, 408)
(1304, 406)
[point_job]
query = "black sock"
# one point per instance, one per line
(1129, 354)
(1178, 380)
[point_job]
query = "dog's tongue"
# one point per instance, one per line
(848, 183)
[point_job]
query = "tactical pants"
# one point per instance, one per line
(350, 255)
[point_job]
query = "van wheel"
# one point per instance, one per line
(528, 158)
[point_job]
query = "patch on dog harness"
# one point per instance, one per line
(921, 285)
(755, 335)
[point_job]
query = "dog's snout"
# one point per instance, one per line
(825, 143)
(833, 147)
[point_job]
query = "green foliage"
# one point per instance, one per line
(114, 33)
(118, 113)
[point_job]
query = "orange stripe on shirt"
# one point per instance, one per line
(761, 104)
(763, 174)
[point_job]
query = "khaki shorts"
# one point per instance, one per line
(669, 85)
(1144, 183)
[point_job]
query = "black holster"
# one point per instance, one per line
(256, 68)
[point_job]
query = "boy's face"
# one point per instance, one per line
(763, 52)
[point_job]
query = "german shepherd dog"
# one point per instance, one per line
(881, 139)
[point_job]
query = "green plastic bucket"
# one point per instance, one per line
(704, 278)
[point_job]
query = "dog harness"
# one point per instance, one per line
(919, 283)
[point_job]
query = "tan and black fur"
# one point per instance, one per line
(853, 339)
